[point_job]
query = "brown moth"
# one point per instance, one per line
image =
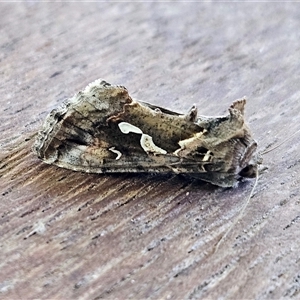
(102, 129)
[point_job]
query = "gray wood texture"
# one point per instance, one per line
(69, 235)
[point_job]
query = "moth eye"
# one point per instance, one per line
(249, 171)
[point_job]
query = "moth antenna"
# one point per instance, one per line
(216, 247)
(267, 151)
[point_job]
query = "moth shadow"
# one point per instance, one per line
(173, 182)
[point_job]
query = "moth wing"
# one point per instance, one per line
(101, 129)
(81, 134)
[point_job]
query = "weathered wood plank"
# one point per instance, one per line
(68, 235)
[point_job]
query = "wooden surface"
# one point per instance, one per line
(68, 235)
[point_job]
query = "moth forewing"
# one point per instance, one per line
(102, 129)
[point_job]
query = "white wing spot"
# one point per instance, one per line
(206, 156)
(119, 154)
(146, 140)
(127, 127)
(149, 146)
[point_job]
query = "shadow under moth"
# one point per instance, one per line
(102, 129)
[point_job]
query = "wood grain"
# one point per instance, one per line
(68, 235)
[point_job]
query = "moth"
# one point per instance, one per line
(102, 130)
